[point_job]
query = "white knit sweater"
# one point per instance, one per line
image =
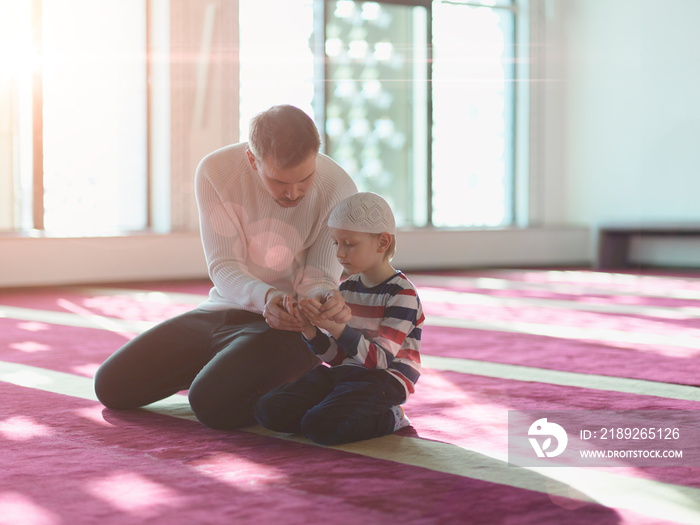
(252, 244)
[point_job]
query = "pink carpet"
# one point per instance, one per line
(66, 459)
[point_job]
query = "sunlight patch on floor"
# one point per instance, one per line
(23, 429)
(133, 493)
(16, 508)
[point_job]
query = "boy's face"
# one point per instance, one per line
(286, 185)
(357, 252)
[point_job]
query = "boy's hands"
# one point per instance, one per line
(283, 313)
(312, 309)
(333, 307)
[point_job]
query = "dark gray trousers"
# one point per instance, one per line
(227, 360)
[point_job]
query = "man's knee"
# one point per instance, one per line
(110, 390)
(221, 414)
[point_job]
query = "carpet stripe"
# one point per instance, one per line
(469, 366)
(47, 380)
(579, 288)
(71, 319)
(143, 295)
(467, 298)
(652, 498)
(87, 320)
(445, 296)
(557, 377)
(571, 332)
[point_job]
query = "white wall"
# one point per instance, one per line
(27, 261)
(632, 136)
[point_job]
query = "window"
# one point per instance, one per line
(415, 98)
(73, 116)
(376, 93)
(277, 63)
(437, 141)
(473, 93)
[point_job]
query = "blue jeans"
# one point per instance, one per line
(335, 405)
(227, 360)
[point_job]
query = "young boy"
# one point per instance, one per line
(374, 359)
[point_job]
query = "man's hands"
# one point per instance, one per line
(327, 311)
(278, 316)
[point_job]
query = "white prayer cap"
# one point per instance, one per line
(363, 212)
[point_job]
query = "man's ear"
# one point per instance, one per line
(251, 159)
(384, 241)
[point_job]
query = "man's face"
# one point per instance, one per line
(286, 185)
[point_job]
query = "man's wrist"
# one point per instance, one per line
(272, 292)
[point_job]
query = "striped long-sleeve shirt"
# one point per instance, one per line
(384, 332)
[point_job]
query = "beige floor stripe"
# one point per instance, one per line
(558, 377)
(449, 297)
(690, 338)
(72, 319)
(607, 284)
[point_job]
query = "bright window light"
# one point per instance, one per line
(95, 157)
(276, 57)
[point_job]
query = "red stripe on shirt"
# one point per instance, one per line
(392, 334)
(367, 311)
(412, 355)
(371, 359)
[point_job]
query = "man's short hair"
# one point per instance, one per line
(283, 135)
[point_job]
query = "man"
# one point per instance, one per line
(263, 207)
